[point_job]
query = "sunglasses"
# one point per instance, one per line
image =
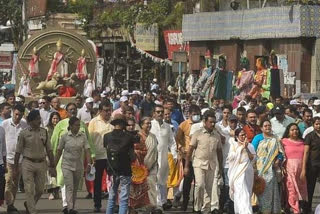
(159, 112)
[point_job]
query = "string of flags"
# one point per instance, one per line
(150, 56)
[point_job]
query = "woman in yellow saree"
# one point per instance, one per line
(269, 155)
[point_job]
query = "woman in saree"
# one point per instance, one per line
(294, 150)
(51, 184)
(241, 173)
(269, 156)
(144, 195)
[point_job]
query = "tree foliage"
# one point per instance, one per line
(166, 13)
(11, 10)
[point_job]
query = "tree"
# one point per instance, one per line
(11, 10)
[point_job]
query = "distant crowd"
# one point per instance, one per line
(145, 152)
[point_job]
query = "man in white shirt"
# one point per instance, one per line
(280, 121)
(46, 110)
(316, 108)
(98, 127)
(166, 143)
(227, 132)
(84, 114)
(12, 127)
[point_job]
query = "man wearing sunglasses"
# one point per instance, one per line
(45, 110)
(166, 142)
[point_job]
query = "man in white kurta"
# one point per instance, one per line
(166, 143)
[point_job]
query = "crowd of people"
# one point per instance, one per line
(146, 151)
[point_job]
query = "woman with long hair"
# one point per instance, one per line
(269, 156)
(241, 173)
(294, 149)
(51, 186)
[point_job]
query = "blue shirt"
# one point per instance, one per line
(302, 127)
(116, 104)
(255, 143)
(177, 116)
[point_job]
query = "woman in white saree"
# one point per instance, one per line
(241, 172)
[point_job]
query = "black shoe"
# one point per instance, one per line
(197, 212)
(184, 206)
(11, 208)
(167, 206)
(73, 211)
(215, 211)
(26, 206)
(65, 210)
(96, 210)
(89, 196)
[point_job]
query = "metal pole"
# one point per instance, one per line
(141, 73)
(128, 66)
(248, 4)
(264, 3)
(114, 60)
(180, 78)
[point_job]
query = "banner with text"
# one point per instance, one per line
(174, 42)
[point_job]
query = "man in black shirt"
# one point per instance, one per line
(120, 154)
(311, 160)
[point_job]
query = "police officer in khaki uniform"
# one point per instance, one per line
(33, 144)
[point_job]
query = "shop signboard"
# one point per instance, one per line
(174, 41)
(147, 38)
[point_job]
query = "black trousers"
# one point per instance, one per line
(312, 174)
(2, 182)
(101, 166)
(187, 181)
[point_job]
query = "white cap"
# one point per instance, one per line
(155, 80)
(125, 93)
(157, 102)
(90, 176)
(123, 99)
(103, 95)
(294, 102)
(316, 102)
(135, 92)
(2, 100)
(89, 100)
(18, 99)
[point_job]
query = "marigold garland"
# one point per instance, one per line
(139, 173)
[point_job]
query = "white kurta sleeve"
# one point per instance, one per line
(172, 145)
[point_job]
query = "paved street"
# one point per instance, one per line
(45, 206)
(86, 205)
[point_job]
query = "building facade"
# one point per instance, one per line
(291, 31)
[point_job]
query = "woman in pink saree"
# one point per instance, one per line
(294, 149)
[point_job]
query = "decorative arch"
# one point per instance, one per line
(45, 42)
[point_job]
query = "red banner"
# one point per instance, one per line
(174, 42)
